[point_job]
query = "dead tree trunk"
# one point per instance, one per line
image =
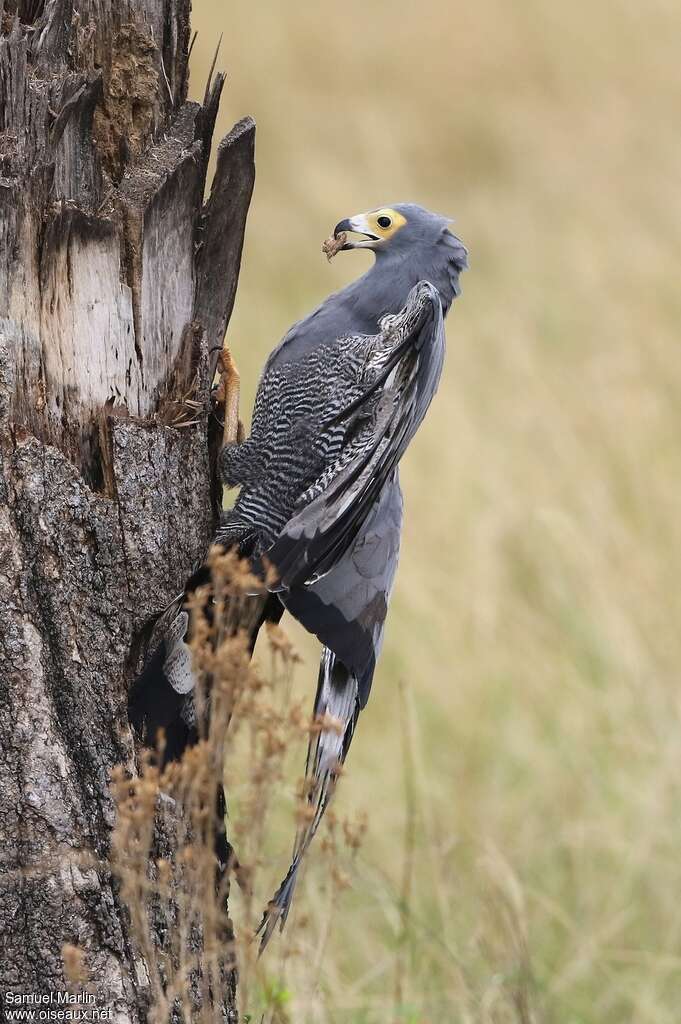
(116, 285)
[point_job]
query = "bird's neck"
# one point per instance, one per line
(393, 278)
(383, 289)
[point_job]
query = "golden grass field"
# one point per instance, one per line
(536, 624)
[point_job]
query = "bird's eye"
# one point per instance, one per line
(384, 222)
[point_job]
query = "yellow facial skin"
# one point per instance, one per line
(396, 219)
(380, 226)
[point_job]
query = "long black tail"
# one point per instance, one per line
(336, 711)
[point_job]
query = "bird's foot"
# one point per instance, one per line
(226, 396)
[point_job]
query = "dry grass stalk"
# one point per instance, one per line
(163, 844)
(402, 961)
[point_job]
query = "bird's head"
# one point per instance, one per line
(410, 244)
(397, 231)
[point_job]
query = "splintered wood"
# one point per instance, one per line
(332, 245)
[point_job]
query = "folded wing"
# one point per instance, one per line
(406, 365)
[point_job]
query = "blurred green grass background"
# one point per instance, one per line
(536, 618)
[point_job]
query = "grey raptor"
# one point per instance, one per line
(338, 402)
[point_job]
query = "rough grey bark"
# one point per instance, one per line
(116, 285)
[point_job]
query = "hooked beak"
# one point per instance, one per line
(359, 225)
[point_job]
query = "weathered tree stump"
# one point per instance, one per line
(116, 286)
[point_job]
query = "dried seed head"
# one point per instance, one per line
(280, 643)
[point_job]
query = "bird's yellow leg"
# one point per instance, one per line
(228, 392)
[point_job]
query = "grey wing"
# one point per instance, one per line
(316, 538)
(346, 608)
